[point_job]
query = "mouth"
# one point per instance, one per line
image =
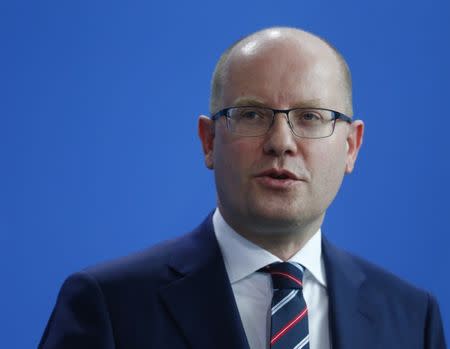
(277, 178)
(278, 174)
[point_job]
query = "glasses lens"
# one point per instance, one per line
(249, 121)
(312, 123)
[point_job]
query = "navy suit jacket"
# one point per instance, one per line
(177, 295)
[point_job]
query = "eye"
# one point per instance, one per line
(251, 114)
(311, 116)
(305, 117)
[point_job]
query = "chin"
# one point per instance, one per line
(283, 215)
(275, 219)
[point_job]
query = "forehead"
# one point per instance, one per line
(284, 72)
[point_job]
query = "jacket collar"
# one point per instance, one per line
(201, 299)
(352, 315)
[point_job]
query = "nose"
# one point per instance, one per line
(280, 140)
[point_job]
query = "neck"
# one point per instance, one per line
(280, 242)
(281, 245)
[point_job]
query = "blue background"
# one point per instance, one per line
(98, 141)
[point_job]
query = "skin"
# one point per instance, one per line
(280, 69)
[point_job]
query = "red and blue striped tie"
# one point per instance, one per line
(289, 311)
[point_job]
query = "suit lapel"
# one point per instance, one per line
(352, 316)
(200, 299)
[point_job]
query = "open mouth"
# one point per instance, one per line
(277, 179)
(278, 174)
(281, 176)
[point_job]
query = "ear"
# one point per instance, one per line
(354, 142)
(206, 135)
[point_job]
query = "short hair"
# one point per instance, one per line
(218, 74)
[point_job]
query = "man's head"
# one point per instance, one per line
(280, 68)
(219, 71)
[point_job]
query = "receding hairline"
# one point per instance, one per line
(219, 71)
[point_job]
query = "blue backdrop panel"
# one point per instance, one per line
(98, 144)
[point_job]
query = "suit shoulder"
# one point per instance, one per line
(396, 301)
(388, 283)
(376, 279)
(149, 264)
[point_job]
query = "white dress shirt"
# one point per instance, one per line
(253, 290)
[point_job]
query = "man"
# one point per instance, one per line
(257, 273)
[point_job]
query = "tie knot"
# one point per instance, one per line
(285, 275)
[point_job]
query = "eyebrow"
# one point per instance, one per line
(255, 101)
(249, 101)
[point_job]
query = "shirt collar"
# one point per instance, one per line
(242, 257)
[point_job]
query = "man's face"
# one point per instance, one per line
(280, 75)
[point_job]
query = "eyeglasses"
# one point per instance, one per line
(252, 121)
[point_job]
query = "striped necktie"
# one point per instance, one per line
(289, 320)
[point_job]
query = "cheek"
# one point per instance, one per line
(327, 165)
(233, 161)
